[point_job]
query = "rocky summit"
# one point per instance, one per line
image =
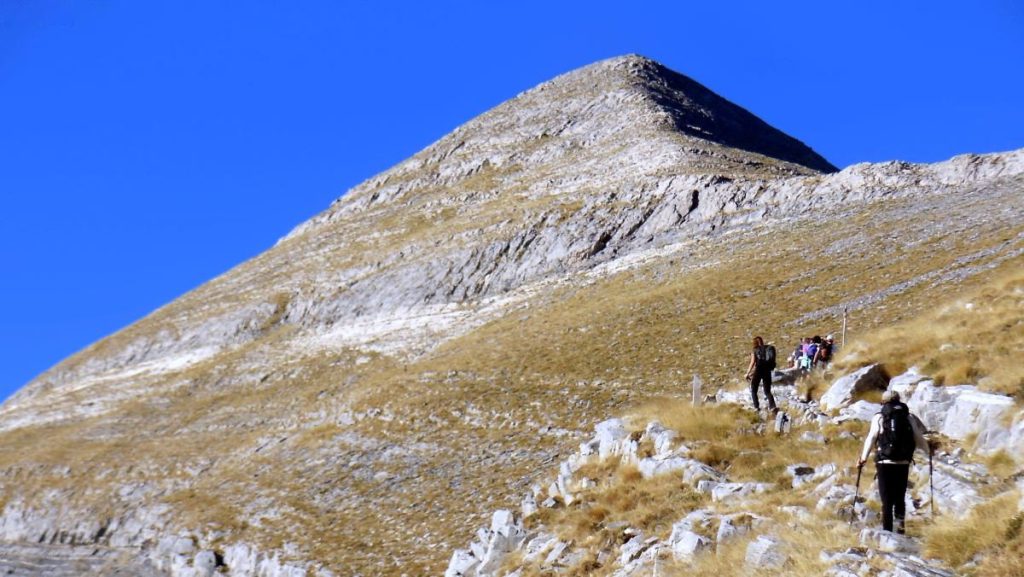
(361, 397)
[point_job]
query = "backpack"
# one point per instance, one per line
(896, 439)
(826, 352)
(765, 357)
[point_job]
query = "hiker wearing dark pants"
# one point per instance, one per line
(759, 373)
(894, 436)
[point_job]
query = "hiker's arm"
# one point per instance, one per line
(869, 442)
(753, 361)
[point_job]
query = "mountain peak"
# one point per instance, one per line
(698, 112)
(593, 128)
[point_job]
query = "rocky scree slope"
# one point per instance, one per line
(341, 402)
(750, 509)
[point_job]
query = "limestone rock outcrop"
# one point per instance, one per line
(289, 415)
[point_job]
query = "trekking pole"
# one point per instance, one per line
(856, 494)
(931, 478)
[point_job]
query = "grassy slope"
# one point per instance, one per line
(485, 410)
(977, 338)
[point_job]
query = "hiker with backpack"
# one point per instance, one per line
(825, 351)
(798, 353)
(805, 355)
(762, 363)
(894, 435)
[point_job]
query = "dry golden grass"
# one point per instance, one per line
(977, 338)
(620, 494)
(723, 437)
(991, 529)
(800, 542)
(1001, 464)
(577, 356)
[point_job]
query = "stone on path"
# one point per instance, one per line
(888, 541)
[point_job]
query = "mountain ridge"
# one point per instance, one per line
(474, 308)
(658, 97)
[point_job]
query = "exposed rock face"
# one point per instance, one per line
(267, 413)
(841, 392)
(707, 530)
(962, 411)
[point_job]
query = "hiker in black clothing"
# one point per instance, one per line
(894, 435)
(825, 352)
(762, 363)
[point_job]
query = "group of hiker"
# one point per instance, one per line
(812, 353)
(894, 435)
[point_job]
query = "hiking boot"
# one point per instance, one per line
(900, 527)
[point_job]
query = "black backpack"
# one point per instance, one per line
(765, 357)
(896, 439)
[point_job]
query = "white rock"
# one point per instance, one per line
(504, 523)
(633, 548)
(801, 474)
(904, 384)
(706, 486)
(538, 546)
(843, 389)
(654, 466)
(205, 563)
(696, 471)
(724, 491)
(765, 553)
(783, 424)
(929, 402)
(590, 448)
(859, 411)
(462, 564)
(662, 438)
(736, 525)
(825, 471)
(812, 437)
(796, 511)
(610, 435)
(529, 505)
(827, 484)
(686, 544)
(888, 541)
(506, 535)
(699, 520)
(836, 498)
(974, 412)
(556, 553)
(953, 494)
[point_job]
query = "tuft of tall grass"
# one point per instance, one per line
(978, 338)
(985, 531)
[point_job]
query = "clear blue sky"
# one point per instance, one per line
(146, 147)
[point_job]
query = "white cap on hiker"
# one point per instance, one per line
(830, 338)
(890, 395)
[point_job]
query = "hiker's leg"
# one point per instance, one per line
(900, 473)
(753, 390)
(768, 390)
(885, 494)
